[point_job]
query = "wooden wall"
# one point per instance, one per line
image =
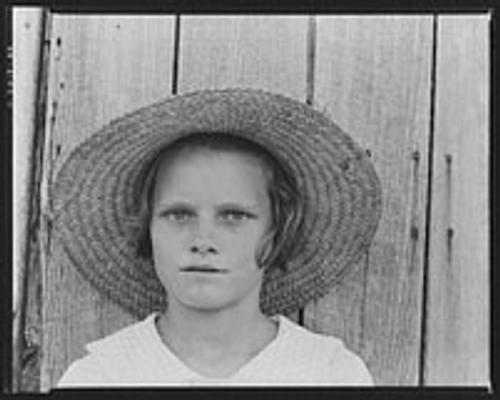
(27, 41)
(376, 85)
(458, 301)
(412, 90)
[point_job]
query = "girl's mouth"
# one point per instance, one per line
(203, 268)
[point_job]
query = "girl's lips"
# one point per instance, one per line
(203, 268)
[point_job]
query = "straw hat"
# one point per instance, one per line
(96, 193)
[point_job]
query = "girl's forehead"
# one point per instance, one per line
(212, 173)
(187, 160)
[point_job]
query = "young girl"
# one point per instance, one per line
(210, 216)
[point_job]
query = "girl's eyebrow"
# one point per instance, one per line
(235, 205)
(174, 205)
(221, 206)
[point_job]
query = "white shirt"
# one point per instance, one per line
(136, 356)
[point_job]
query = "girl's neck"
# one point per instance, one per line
(215, 344)
(200, 329)
(233, 332)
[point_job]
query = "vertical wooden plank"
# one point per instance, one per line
(266, 52)
(27, 36)
(101, 67)
(373, 79)
(457, 342)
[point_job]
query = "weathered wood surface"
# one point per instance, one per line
(265, 52)
(458, 302)
(372, 77)
(27, 37)
(27, 25)
(101, 67)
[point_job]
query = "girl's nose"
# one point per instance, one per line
(202, 242)
(203, 249)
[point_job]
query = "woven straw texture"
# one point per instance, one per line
(95, 194)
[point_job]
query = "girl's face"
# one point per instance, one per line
(211, 211)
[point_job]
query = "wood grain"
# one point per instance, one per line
(373, 78)
(29, 101)
(265, 52)
(27, 28)
(101, 67)
(457, 342)
(26, 35)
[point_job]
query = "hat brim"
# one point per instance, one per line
(96, 191)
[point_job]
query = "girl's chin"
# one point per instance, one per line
(206, 306)
(205, 302)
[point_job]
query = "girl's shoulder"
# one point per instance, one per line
(316, 351)
(305, 338)
(126, 337)
(125, 347)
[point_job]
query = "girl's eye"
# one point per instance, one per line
(235, 215)
(178, 215)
